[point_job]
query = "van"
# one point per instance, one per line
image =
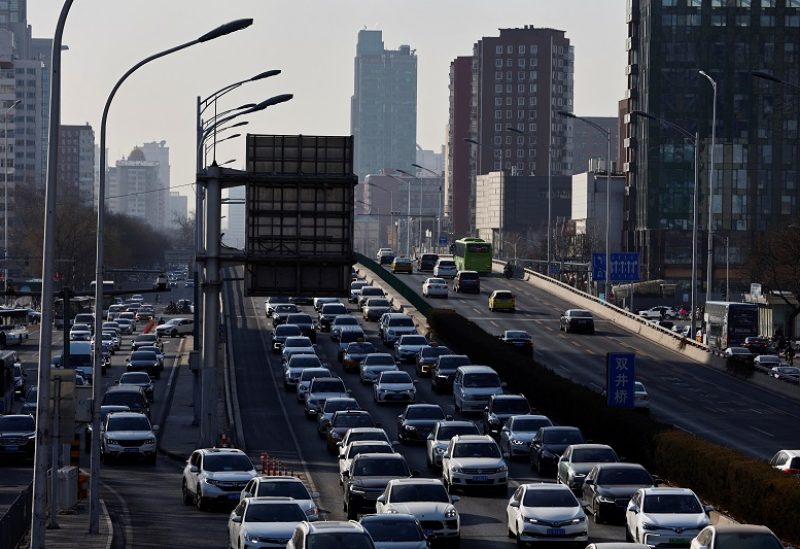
(131, 396)
(81, 358)
(472, 387)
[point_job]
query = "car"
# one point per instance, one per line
(426, 358)
(375, 307)
(501, 407)
(296, 345)
(756, 345)
(18, 435)
(786, 373)
(347, 336)
(373, 365)
(159, 354)
(394, 387)
(428, 500)
(127, 326)
(116, 342)
(364, 433)
(144, 361)
(215, 475)
(305, 323)
(341, 422)
(445, 268)
(641, 398)
(473, 386)
(660, 312)
(406, 347)
(29, 406)
(435, 287)
(467, 282)
(330, 533)
(272, 302)
(283, 487)
(132, 396)
(348, 452)
(327, 313)
(578, 459)
(438, 440)
(80, 335)
(417, 422)
(19, 379)
(330, 407)
(355, 290)
(787, 461)
(127, 435)
(738, 356)
(547, 514)
(280, 334)
(426, 262)
(104, 411)
(340, 323)
(502, 300)
(368, 292)
(354, 353)
(142, 379)
(576, 320)
(661, 515)
(474, 461)
(320, 302)
(402, 265)
(323, 388)
(735, 536)
(367, 479)
(263, 522)
(281, 311)
(444, 371)
(517, 433)
(385, 256)
(767, 362)
(395, 531)
(549, 443)
(146, 340)
(307, 375)
(608, 488)
(295, 366)
(519, 340)
(144, 314)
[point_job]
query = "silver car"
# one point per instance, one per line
(439, 439)
(373, 365)
(578, 459)
(283, 487)
(517, 433)
(306, 376)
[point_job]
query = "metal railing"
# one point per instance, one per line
(16, 520)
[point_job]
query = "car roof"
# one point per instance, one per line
(126, 414)
(209, 451)
(741, 529)
(588, 446)
(508, 396)
(417, 480)
(792, 453)
(456, 423)
(476, 368)
(667, 490)
(396, 315)
(473, 438)
(552, 486)
(333, 525)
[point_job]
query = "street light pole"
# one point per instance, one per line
(440, 191)
(710, 255)
(5, 196)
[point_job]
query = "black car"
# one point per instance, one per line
(577, 320)
(281, 333)
(467, 281)
(499, 409)
(444, 370)
(427, 356)
(17, 436)
(548, 445)
(756, 345)
(146, 361)
(519, 340)
(608, 488)
(281, 311)
(327, 313)
(305, 323)
(29, 406)
(367, 479)
(427, 262)
(302, 300)
(355, 353)
(417, 421)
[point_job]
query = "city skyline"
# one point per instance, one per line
(317, 63)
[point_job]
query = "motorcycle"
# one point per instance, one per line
(508, 270)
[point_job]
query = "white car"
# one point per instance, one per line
(517, 433)
(546, 513)
(356, 447)
(445, 268)
(641, 399)
(263, 522)
(215, 474)
(363, 433)
(296, 345)
(434, 287)
(80, 335)
(437, 442)
(426, 499)
(474, 461)
(657, 516)
(175, 327)
(394, 387)
(283, 487)
(407, 347)
(306, 375)
(127, 435)
(392, 326)
(767, 362)
(373, 365)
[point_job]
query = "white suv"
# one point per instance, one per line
(127, 435)
(473, 386)
(426, 499)
(394, 325)
(658, 516)
(474, 461)
(215, 474)
(175, 327)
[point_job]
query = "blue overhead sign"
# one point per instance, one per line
(624, 267)
(443, 241)
(620, 375)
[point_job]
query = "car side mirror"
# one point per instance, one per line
(454, 499)
(633, 509)
(236, 518)
(506, 455)
(341, 456)
(446, 455)
(448, 417)
(513, 503)
(415, 473)
(430, 436)
(657, 481)
(314, 495)
(503, 384)
(247, 495)
(708, 508)
(378, 424)
(381, 499)
(588, 481)
(194, 469)
(395, 443)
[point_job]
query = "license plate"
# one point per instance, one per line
(556, 532)
(480, 477)
(132, 450)
(234, 496)
(12, 448)
(678, 540)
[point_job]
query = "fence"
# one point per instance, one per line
(14, 524)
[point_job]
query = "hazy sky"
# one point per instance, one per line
(313, 42)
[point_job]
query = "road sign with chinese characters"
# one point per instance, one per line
(620, 376)
(624, 267)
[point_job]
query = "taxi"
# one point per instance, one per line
(502, 300)
(402, 265)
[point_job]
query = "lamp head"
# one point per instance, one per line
(265, 74)
(566, 114)
(765, 76)
(227, 28)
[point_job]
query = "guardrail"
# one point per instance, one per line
(15, 522)
(414, 299)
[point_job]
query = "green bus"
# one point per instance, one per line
(473, 254)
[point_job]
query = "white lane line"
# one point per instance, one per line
(493, 323)
(763, 432)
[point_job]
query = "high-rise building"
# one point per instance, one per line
(383, 109)
(520, 79)
(177, 209)
(133, 189)
(589, 144)
(235, 218)
(430, 160)
(457, 185)
(76, 163)
(756, 157)
(157, 151)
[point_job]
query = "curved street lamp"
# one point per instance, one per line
(710, 245)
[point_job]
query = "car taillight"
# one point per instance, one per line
(792, 471)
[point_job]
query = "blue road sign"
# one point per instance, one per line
(620, 375)
(624, 267)
(443, 241)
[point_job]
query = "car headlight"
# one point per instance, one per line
(451, 513)
(438, 450)
(409, 428)
(578, 520)
(502, 468)
(151, 440)
(211, 481)
(649, 526)
(251, 538)
(532, 520)
(517, 442)
(455, 469)
(357, 491)
(335, 434)
(605, 499)
(112, 441)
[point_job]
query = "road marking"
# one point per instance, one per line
(493, 323)
(125, 518)
(763, 432)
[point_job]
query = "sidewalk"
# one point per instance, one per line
(178, 435)
(72, 529)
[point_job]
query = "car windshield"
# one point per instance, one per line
(378, 303)
(436, 281)
(143, 355)
(482, 380)
(360, 348)
(433, 352)
(382, 468)
(329, 386)
(304, 361)
(469, 275)
(594, 455)
(476, 450)
(424, 412)
(285, 330)
(352, 420)
(134, 377)
(511, 405)
(451, 363)
(671, 503)
(309, 374)
(562, 436)
(335, 405)
(17, 423)
(338, 540)
(386, 531)
(612, 476)
(286, 309)
(371, 291)
(334, 309)
(449, 431)
(529, 424)
(379, 359)
(295, 490)
(128, 423)
(549, 498)
(123, 398)
(746, 540)
(514, 334)
(402, 322)
(580, 314)
(447, 264)
(299, 319)
(402, 493)
(227, 462)
(366, 435)
(274, 512)
(395, 377)
(368, 449)
(146, 338)
(345, 320)
(300, 341)
(503, 295)
(413, 340)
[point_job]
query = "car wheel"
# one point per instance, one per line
(187, 497)
(598, 519)
(174, 333)
(352, 514)
(200, 501)
(628, 536)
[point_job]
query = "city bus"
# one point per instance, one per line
(727, 324)
(77, 305)
(13, 326)
(473, 254)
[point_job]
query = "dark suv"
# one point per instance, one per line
(467, 281)
(427, 262)
(444, 371)
(305, 323)
(499, 409)
(367, 479)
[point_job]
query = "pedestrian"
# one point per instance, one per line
(790, 354)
